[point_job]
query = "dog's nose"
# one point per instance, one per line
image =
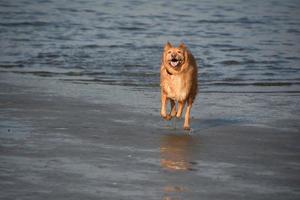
(173, 55)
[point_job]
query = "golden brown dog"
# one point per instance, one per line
(178, 81)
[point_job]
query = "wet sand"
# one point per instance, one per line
(58, 145)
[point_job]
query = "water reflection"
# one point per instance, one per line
(176, 152)
(173, 192)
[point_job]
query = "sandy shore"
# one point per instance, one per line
(57, 143)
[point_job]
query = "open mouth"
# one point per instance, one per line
(174, 62)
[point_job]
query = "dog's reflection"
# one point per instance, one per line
(176, 152)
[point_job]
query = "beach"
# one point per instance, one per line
(60, 146)
(80, 100)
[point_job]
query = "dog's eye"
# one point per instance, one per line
(178, 51)
(169, 52)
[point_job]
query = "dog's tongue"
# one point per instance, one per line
(174, 63)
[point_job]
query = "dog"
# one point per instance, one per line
(178, 81)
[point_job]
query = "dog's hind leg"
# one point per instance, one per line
(173, 108)
(180, 108)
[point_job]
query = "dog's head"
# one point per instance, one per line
(174, 58)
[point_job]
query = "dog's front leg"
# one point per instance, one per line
(186, 124)
(163, 111)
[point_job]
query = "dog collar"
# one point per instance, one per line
(168, 72)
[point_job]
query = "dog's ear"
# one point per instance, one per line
(182, 46)
(167, 46)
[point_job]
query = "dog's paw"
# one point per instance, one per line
(173, 113)
(187, 128)
(178, 116)
(167, 117)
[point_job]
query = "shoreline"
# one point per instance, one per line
(270, 110)
(62, 144)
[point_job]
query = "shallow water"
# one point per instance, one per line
(240, 46)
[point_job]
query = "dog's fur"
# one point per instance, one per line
(178, 81)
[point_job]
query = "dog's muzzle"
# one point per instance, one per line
(174, 62)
